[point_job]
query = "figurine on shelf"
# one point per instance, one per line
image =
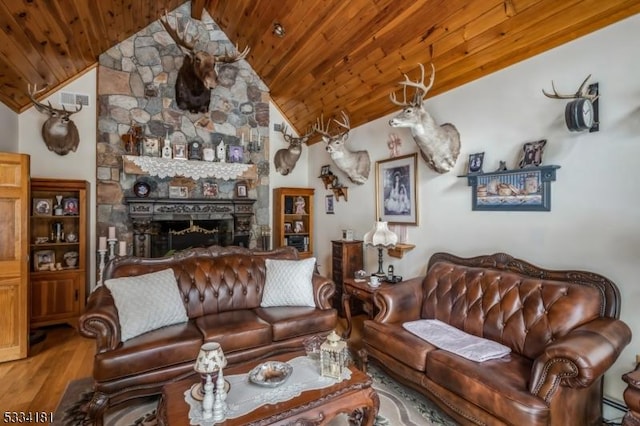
(299, 204)
(502, 167)
(222, 152)
(167, 152)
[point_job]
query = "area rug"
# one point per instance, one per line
(399, 406)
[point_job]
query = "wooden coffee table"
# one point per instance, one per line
(313, 407)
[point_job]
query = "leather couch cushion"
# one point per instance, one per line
(235, 330)
(172, 345)
(293, 321)
(393, 340)
(497, 386)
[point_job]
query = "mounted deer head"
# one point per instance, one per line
(198, 74)
(356, 164)
(286, 158)
(60, 134)
(439, 145)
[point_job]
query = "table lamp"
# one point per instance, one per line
(381, 237)
(211, 359)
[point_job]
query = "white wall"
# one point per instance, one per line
(593, 223)
(75, 165)
(9, 126)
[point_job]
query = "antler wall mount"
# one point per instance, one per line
(582, 113)
(59, 132)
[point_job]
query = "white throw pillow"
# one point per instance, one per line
(147, 302)
(288, 283)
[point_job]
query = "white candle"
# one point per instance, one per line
(112, 232)
(103, 243)
(242, 140)
(123, 248)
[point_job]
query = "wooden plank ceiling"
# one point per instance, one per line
(336, 54)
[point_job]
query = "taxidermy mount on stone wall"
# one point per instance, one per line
(439, 145)
(198, 74)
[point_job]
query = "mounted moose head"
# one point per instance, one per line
(286, 158)
(198, 74)
(439, 145)
(356, 164)
(60, 134)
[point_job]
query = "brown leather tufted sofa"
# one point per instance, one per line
(222, 290)
(562, 328)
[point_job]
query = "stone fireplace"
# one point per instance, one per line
(136, 87)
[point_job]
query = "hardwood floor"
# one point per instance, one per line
(38, 382)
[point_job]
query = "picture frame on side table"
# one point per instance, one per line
(396, 190)
(42, 206)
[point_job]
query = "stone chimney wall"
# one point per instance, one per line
(136, 86)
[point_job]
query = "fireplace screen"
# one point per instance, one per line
(182, 234)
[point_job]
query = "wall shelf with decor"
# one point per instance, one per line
(293, 219)
(59, 250)
(525, 189)
(194, 169)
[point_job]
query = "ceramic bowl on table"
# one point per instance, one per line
(270, 374)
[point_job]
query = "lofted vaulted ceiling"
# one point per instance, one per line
(336, 54)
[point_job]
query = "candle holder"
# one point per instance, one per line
(112, 247)
(101, 264)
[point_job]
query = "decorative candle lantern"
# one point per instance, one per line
(332, 356)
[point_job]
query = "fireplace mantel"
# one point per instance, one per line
(167, 167)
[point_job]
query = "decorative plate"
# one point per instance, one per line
(270, 373)
(141, 189)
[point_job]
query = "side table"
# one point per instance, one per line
(362, 291)
(632, 397)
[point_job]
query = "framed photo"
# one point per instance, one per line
(328, 204)
(241, 190)
(70, 206)
(151, 147)
(475, 162)
(178, 192)
(531, 155)
(513, 190)
(42, 206)
(324, 170)
(288, 227)
(210, 189)
(179, 151)
(298, 226)
(396, 190)
(236, 153)
(44, 260)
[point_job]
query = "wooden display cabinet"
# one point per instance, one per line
(293, 219)
(59, 253)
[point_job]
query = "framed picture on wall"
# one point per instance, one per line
(241, 190)
(328, 204)
(179, 151)
(396, 190)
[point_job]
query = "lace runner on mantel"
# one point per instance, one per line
(165, 167)
(244, 396)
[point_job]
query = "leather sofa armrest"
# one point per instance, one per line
(399, 302)
(100, 320)
(580, 357)
(323, 290)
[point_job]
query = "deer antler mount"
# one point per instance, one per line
(59, 132)
(582, 113)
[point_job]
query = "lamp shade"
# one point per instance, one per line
(210, 358)
(380, 236)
